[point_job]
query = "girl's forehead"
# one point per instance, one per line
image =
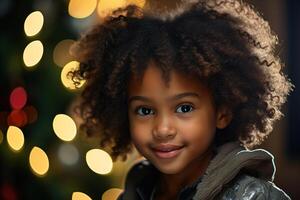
(154, 80)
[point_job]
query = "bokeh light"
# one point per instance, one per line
(33, 23)
(139, 3)
(38, 161)
(33, 53)
(82, 9)
(61, 53)
(18, 98)
(65, 76)
(99, 161)
(17, 118)
(68, 154)
(8, 191)
(1, 136)
(112, 194)
(64, 127)
(106, 6)
(80, 196)
(15, 138)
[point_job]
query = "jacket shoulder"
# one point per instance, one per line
(252, 188)
(138, 173)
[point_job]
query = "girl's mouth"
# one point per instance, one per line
(167, 150)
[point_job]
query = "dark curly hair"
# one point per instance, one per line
(227, 44)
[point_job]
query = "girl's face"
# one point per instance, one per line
(172, 126)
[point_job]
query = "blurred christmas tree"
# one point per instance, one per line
(41, 154)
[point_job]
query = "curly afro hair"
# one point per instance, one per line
(227, 44)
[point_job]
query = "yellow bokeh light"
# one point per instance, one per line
(140, 3)
(82, 9)
(106, 6)
(33, 23)
(15, 138)
(112, 194)
(80, 196)
(65, 77)
(38, 161)
(64, 127)
(33, 53)
(61, 55)
(99, 161)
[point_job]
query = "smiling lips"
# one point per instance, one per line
(167, 150)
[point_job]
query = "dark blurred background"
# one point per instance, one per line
(37, 161)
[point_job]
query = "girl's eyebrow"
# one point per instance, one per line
(175, 97)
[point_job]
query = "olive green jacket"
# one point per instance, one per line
(233, 174)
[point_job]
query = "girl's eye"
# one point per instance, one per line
(184, 108)
(143, 111)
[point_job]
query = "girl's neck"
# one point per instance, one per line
(171, 184)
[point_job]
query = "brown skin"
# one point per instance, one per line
(188, 121)
(170, 185)
(242, 68)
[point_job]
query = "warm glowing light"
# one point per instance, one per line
(33, 23)
(82, 9)
(80, 196)
(33, 53)
(64, 127)
(106, 6)
(15, 138)
(139, 3)
(121, 167)
(61, 54)
(68, 154)
(99, 161)
(65, 76)
(17, 118)
(112, 194)
(38, 161)
(18, 98)
(1, 136)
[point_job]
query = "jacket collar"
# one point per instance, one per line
(231, 158)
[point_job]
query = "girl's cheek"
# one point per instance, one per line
(140, 130)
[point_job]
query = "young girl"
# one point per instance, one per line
(193, 91)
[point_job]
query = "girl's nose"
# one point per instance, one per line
(164, 130)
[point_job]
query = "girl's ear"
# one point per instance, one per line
(224, 117)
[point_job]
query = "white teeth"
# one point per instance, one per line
(167, 150)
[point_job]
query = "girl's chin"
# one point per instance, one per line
(168, 169)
